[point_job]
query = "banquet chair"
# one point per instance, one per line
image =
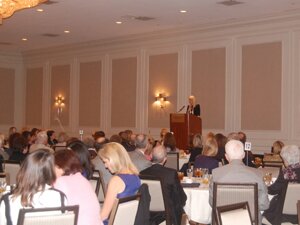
(158, 204)
(172, 160)
(11, 168)
(298, 210)
(66, 215)
(102, 188)
(231, 193)
(290, 203)
(4, 177)
(124, 211)
(228, 214)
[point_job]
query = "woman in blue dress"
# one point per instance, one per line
(125, 181)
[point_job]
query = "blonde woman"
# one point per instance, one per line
(125, 181)
(207, 158)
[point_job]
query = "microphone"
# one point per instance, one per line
(181, 109)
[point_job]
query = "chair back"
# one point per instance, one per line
(11, 168)
(172, 160)
(228, 214)
(102, 188)
(155, 189)
(232, 193)
(66, 215)
(291, 197)
(298, 210)
(124, 211)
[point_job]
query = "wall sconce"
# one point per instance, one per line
(161, 100)
(59, 103)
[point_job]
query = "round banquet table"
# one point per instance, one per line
(197, 204)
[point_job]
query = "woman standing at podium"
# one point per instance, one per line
(193, 108)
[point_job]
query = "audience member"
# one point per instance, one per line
(12, 130)
(291, 158)
(99, 165)
(237, 172)
(84, 156)
(125, 181)
(162, 134)
(170, 142)
(197, 147)
(10, 142)
(41, 142)
(19, 149)
(207, 158)
(274, 156)
(115, 138)
(138, 155)
(34, 179)
(77, 189)
(34, 131)
(3, 153)
(221, 141)
(126, 140)
(172, 188)
(51, 138)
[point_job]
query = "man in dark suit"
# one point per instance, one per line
(193, 108)
(172, 188)
(138, 155)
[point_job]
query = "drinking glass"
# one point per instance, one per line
(2, 186)
(198, 172)
(268, 178)
(180, 175)
(189, 173)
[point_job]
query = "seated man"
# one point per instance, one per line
(237, 172)
(172, 188)
(138, 155)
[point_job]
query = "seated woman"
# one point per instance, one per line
(125, 181)
(291, 158)
(82, 152)
(34, 181)
(77, 188)
(170, 142)
(207, 158)
(275, 153)
(19, 149)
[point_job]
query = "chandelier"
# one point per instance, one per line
(8, 7)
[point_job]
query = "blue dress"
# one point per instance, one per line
(132, 185)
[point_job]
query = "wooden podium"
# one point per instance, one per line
(184, 126)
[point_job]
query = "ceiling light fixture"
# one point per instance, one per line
(8, 7)
(40, 10)
(24, 39)
(66, 31)
(183, 11)
(118, 22)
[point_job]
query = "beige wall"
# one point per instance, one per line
(34, 97)
(123, 93)
(60, 85)
(261, 86)
(163, 72)
(7, 93)
(208, 85)
(90, 93)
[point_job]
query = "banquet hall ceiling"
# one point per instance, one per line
(90, 20)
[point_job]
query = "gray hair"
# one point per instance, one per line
(159, 154)
(234, 150)
(233, 136)
(141, 141)
(290, 154)
(41, 137)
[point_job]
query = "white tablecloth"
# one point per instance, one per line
(197, 206)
